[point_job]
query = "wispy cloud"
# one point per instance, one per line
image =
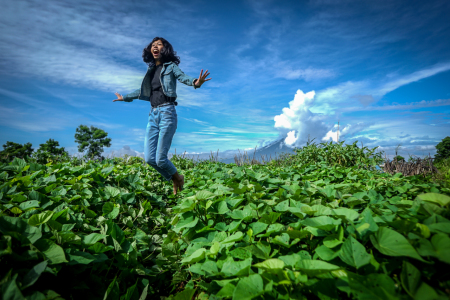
(36, 115)
(196, 121)
(305, 74)
(81, 45)
(398, 81)
(368, 92)
(30, 121)
(27, 100)
(412, 105)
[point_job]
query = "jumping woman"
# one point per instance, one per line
(159, 87)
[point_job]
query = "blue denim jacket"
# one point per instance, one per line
(169, 72)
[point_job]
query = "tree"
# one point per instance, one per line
(11, 150)
(443, 149)
(50, 150)
(93, 139)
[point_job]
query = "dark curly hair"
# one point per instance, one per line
(167, 54)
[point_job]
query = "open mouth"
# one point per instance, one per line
(155, 52)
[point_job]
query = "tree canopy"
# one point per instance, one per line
(443, 149)
(11, 150)
(92, 140)
(49, 150)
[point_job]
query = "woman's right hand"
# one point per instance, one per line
(119, 97)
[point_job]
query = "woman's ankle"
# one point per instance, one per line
(177, 177)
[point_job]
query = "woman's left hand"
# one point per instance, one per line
(202, 78)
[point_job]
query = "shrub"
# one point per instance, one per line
(443, 149)
(399, 158)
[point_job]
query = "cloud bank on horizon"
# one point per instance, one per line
(287, 70)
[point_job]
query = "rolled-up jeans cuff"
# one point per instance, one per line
(170, 178)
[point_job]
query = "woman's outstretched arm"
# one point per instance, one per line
(128, 97)
(188, 80)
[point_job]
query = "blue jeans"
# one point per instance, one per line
(162, 124)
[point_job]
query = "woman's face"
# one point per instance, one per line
(157, 47)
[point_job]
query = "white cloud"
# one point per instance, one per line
(297, 122)
(331, 135)
(291, 138)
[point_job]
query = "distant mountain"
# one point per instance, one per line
(269, 151)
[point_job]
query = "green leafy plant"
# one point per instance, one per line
(333, 154)
(293, 229)
(91, 139)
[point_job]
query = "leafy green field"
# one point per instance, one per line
(323, 224)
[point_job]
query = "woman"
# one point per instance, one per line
(159, 87)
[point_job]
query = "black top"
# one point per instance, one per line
(157, 97)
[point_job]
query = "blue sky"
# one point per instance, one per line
(279, 69)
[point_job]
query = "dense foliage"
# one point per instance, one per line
(50, 151)
(346, 155)
(92, 140)
(399, 158)
(443, 175)
(312, 226)
(443, 149)
(11, 150)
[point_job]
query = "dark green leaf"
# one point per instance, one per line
(354, 254)
(92, 238)
(410, 278)
(51, 251)
(38, 219)
(236, 268)
(9, 225)
(112, 292)
(249, 287)
(187, 294)
(10, 291)
(33, 275)
(392, 243)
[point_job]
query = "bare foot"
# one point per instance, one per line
(178, 182)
